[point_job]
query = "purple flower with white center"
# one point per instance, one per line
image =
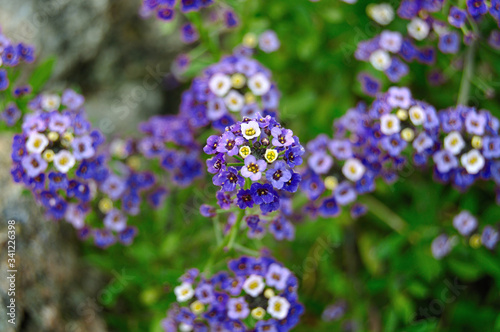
(344, 193)
(269, 42)
(229, 143)
(465, 223)
(441, 246)
(449, 42)
(475, 123)
(253, 168)
(457, 17)
(228, 179)
(489, 237)
(277, 276)
(282, 137)
(278, 175)
(115, 221)
(399, 97)
(83, 148)
(391, 41)
(34, 165)
(445, 161)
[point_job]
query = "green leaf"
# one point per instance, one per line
(42, 73)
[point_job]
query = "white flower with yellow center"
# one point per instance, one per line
(197, 307)
(389, 124)
(53, 136)
(454, 142)
(249, 98)
(219, 84)
(382, 13)
(50, 102)
(473, 161)
(245, 151)
(105, 205)
(234, 101)
(184, 292)
(36, 143)
(64, 161)
(259, 84)
(353, 169)
(477, 142)
(380, 60)
(271, 155)
(417, 115)
(254, 285)
(268, 293)
(48, 155)
(402, 114)
(238, 80)
(258, 313)
(278, 307)
(331, 182)
(67, 138)
(418, 28)
(250, 130)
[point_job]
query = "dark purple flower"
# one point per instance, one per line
(224, 200)
(189, 34)
(262, 193)
(278, 175)
(476, 7)
(293, 184)
(245, 199)
(329, 207)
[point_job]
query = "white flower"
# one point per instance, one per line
(473, 161)
(51, 102)
(219, 84)
(383, 13)
(389, 124)
(278, 307)
(380, 60)
(234, 101)
(271, 155)
(353, 169)
(183, 327)
(36, 143)
(454, 142)
(184, 292)
(391, 41)
(418, 28)
(254, 285)
(259, 84)
(417, 115)
(64, 161)
(245, 151)
(250, 130)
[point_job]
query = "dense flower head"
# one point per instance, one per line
(13, 54)
(229, 90)
(171, 141)
(257, 294)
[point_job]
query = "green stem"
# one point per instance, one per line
(463, 95)
(246, 250)
(384, 213)
(217, 230)
(235, 229)
(235, 164)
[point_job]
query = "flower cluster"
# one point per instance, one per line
(390, 50)
(234, 88)
(171, 140)
(12, 55)
(376, 141)
(258, 295)
(165, 9)
(466, 224)
(265, 154)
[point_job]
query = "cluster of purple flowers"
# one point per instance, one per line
(389, 51)
(11, 55)
(264, 155)
(68, 168)
(376, 141)
(171, 140)
(258, 295)
(466, 224)
(229, 90)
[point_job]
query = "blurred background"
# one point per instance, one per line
(379, 277)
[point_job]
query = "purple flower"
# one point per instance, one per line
(228, 179)
(344, 193)
(229, 143)
(189, 34)
(262, 193)
(10, 56)
(11, 114)
(397, 70)
(268, 41)
(329, 207)
(215, 164)
(494, 39)
(82, 148)
(282, 137)
(491, 147)
(465, 223)
(230, 19)
(115, 220)
(441, 246)
(457, 17)
(207, 211)
(489, 237)
(34, 164)
(293, 156)
(278, 175)
(57, 181)
(449, 42)
(393, 144)
(114, 186)
(189, 5)
(293, 184)
(245, 199)
(399, 97)
(445, 161)
(320, 163)
(4, 80)
(253, 168)
(224, 200)
(475, 123)
(205, 293)
(237, 308)
(371, 86)
(476, 7)
(277, 276)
